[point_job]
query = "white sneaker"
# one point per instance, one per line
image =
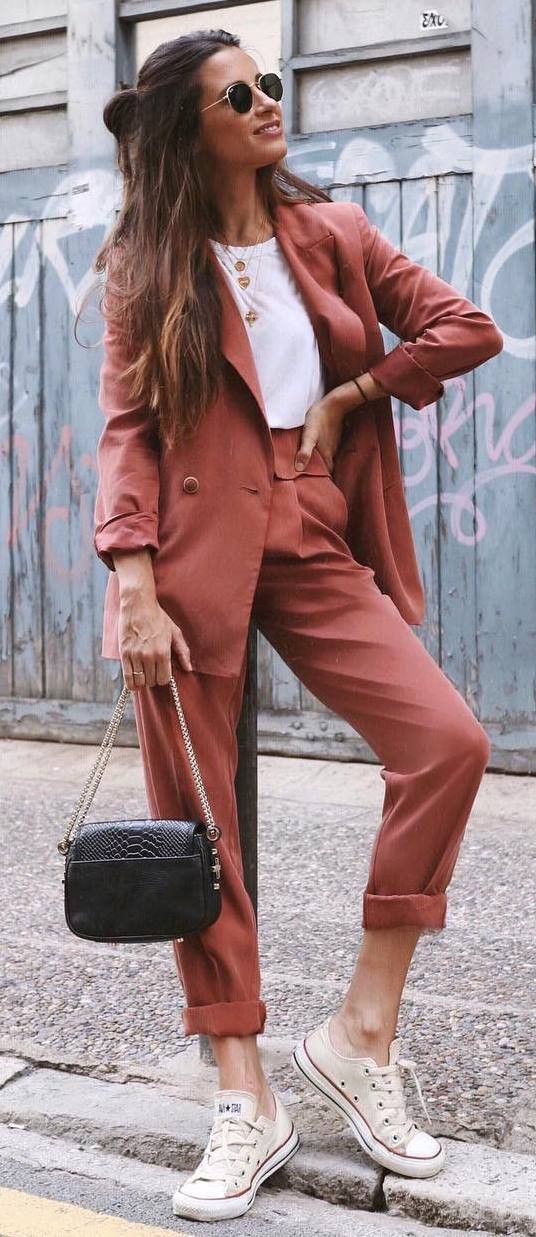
(371, 1099)
(241, 1152)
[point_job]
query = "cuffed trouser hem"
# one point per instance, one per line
(225, 1018)
(420, 910)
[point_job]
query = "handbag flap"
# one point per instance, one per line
(136, 839)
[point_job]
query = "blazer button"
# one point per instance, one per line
(190, 484)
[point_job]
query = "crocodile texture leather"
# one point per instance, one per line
(140, 880)
(135, 839)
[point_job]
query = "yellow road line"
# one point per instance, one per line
(28, 1215)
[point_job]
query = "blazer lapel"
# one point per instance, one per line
(234, 342)
(311, 253)
(311, 257)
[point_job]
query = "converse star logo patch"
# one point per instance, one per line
(234, 1107)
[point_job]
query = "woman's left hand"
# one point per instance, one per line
(322, 428)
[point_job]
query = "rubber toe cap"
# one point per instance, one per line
(201, 1189)
(422, 1145)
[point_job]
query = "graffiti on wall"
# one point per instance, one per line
(498, 450)
(503, 449)
(499, 454)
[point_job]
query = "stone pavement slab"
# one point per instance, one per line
(54, 1168)
(481, 1185)
(10, 1067)
(156, 1125)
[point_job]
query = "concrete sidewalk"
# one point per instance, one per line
(102, 1054)
(54, 1117)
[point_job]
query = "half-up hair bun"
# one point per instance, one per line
(119, 113)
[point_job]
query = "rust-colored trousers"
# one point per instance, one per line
(347, 642)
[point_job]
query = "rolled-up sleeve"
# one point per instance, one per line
(128, 461)
(443, 334)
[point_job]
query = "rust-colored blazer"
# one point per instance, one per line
(203, 507)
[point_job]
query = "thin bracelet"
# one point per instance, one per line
(360, 389)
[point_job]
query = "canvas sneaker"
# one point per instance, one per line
(242, 1151)
(370, 1097)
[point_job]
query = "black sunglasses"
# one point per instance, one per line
(240, 95)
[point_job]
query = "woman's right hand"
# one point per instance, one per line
(147, 637)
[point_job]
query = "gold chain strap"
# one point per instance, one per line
(95, 775)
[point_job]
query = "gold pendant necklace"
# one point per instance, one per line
(244, 280)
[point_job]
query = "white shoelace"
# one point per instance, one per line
(388, 1082)
(231, 1142)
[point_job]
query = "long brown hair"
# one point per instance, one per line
(160, 288)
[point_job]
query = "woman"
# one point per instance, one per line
(248, 469)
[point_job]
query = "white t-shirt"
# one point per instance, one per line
(284, 346)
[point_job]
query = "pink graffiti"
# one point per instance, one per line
(420, 432)
(26, 501)
(414, 433)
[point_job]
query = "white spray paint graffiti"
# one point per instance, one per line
(94, 200)
(499, 445)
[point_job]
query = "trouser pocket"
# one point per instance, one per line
(320, 497)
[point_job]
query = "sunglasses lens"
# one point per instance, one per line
(271, 85)
(240, 97)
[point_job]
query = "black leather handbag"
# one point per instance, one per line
(140, 880)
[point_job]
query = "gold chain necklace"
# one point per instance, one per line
(240, 265)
